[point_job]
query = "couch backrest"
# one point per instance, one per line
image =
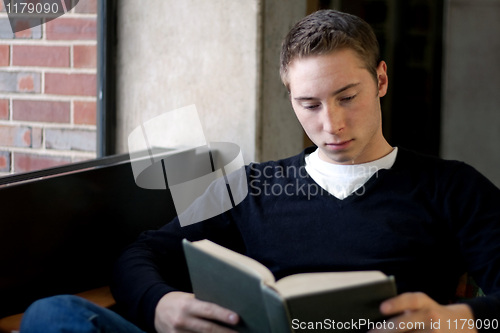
(61, 229)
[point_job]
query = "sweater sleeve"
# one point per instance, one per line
(473, 203)
(154, 265)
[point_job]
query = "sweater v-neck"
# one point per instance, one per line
(382, 165)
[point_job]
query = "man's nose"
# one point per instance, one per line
(333, 119)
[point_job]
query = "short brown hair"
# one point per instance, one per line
(325, 31)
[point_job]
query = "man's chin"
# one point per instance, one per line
(337, 157)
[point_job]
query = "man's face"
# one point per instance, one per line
(336, 100)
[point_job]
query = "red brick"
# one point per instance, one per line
(28, 82)
(4, 161)
(45, 56)
(71, 84)
(84, 113)
(85, 56)
(36, 137)
(24, 162)
(27, 29)
(86, 7)
(4, 55)
(72, 29)
(15, 136)
(4, 109)
(25, 83)
(41, 111)
(19, 81)
(70, 139)
(22, 29)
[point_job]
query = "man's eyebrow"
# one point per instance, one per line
(336, 92)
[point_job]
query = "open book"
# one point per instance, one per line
(293, 303)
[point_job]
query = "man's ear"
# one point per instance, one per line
(382, 78)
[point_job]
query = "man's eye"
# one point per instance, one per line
(311, 106)
(347, 98)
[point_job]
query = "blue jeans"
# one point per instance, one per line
(68, 313)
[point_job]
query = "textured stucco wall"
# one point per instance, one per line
(221, 55)
(175, 53)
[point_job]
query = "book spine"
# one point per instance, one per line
(277, 312)
(216, 281)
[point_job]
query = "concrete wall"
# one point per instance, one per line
(280, 132)
(471, 95)
(222, 56)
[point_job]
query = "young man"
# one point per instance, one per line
(353, 202)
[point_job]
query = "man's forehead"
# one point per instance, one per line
(346, 53)
(311, 94)
(336, 72)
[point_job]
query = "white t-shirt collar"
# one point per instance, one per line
(343, 180)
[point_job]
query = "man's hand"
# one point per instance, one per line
(181, 312)
(411, 309)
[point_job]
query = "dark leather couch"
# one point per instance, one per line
(62, 228)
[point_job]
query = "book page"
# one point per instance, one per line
(236, 259)
(309, 283)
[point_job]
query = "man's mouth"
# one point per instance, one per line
(339, 145)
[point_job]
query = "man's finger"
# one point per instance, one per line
(404, 302)
(214, 312)
(203, 325)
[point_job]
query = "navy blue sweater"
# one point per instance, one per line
(426, 221)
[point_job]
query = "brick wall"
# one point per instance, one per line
(48, 91)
